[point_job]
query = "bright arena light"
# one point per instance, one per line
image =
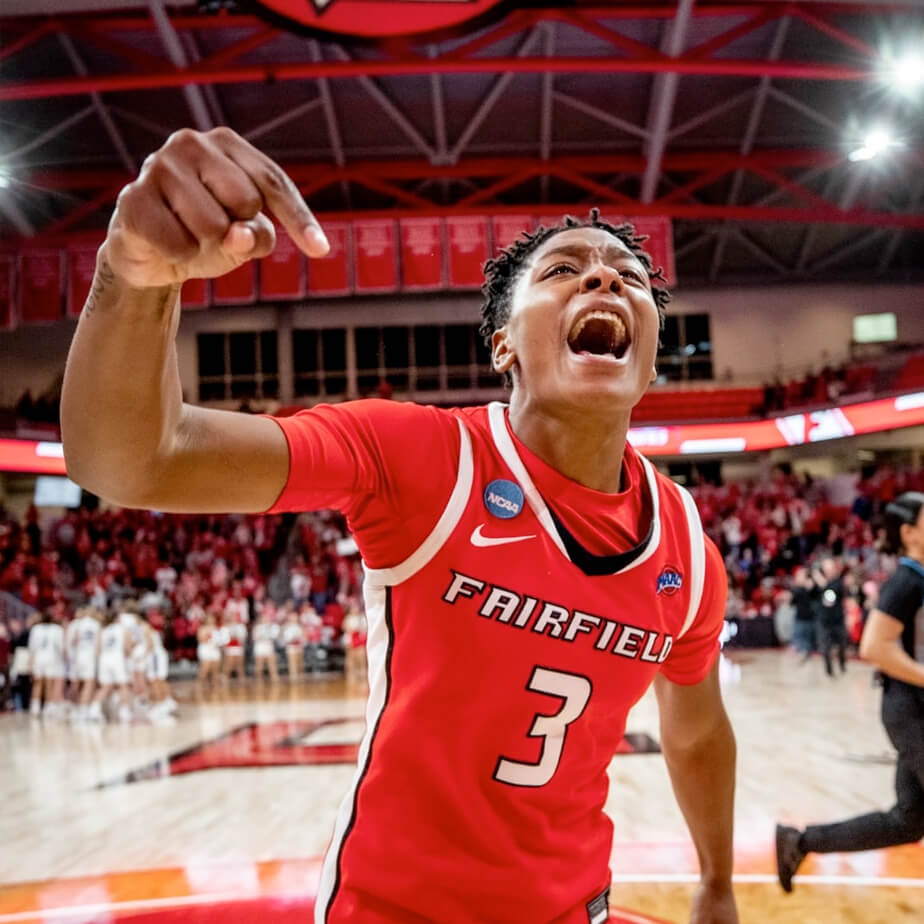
(4, 180)
(905, 73)
(877, 141)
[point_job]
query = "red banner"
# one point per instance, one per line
(7, 321)
(422, 248)
(507, 228)
(282, 273)
(195, 294)
(41, 278)
(239, 287)
(81, 265)
(468, 250)
(376, 256)
(333, 274)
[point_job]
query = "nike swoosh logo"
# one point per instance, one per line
(484, 541)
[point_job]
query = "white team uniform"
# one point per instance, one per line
(209, 650)
(46, 645)
(83, 634)
(264, 635)
(113, 666)
(158, 661)
(293, 635)
(139, 652)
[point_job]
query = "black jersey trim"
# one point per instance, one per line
(359, 783)
(599, 565)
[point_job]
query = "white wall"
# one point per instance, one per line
(753, 329)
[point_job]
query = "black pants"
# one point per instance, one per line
(831, 636)
(903, 717)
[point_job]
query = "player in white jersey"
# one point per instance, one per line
(264, 635)
(114, 645)
(82, 643)
(354, 643)
(209, 649)
(293, 637)
(162, 703)
(138, 652)
(234, 638)
(46, 645)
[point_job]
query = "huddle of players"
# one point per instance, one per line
(114, 656)
(221, 649)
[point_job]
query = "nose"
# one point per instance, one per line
(602, 277)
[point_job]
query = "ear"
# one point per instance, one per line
(502, 353)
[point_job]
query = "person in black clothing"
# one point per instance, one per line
(802, 593)
(894, 641)
(829, 613)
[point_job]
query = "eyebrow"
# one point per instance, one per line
(580, 250)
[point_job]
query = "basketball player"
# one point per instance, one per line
(893, 640)
(293, 638)
(354, 643)
(162, 703)
(115, 645)
(520, 598)
(208, 651)
(83, 643)
(234, 637)
(46, 645)
(265, 632)
(139, 652)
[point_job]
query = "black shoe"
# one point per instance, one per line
(789, 855)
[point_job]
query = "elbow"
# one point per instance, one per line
(868, 649)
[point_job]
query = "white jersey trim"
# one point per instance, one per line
(697, 559)
(378, 645)
(447, 522)
(508, 451)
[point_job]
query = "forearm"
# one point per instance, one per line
(893, 660)
(121, 400)
(703, 778)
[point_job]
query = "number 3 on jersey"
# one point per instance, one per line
(574, 690)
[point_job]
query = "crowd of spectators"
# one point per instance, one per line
(186, 571)
(183, 570)
(772, 532)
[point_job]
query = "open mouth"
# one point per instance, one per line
(599, 333)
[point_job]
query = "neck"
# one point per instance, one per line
(585, 447)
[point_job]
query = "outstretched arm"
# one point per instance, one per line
(699, 748)
(197, 210)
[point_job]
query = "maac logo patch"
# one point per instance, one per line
(670, 580)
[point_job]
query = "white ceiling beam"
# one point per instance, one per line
(747, 143)
(112, 130)
(664, 93)
(178, 57)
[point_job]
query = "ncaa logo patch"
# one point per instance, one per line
(503, 498)
(670, 580)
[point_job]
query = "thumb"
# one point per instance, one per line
(246, 240)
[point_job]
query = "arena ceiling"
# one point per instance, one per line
(735, 119)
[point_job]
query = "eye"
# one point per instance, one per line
(558, 269)
(633, 274)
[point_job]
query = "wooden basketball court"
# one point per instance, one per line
(226, 813)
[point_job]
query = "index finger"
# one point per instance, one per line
(279, 193)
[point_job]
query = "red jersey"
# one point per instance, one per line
(503, 658)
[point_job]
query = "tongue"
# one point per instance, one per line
(599, 336)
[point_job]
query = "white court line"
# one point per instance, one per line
(181, 901)
(629, 878)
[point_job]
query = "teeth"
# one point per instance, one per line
(618, 328)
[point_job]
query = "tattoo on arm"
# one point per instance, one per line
(103, 279)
